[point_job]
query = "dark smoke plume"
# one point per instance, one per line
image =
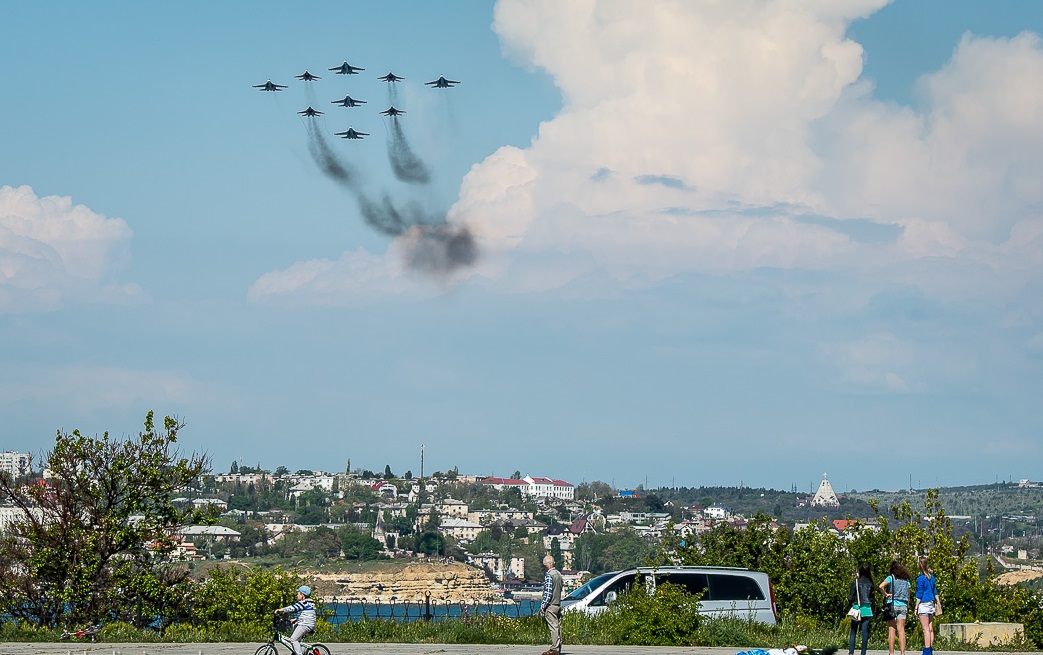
(440, 249)
(432, 245)
(404, 162)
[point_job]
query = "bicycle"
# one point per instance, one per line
(91, 632)
(277, 637)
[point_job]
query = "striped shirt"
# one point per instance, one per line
(551, 589)
(305, 610)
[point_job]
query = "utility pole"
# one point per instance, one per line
(420, 495)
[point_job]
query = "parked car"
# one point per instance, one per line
(725, 590)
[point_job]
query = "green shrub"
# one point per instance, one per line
(668, 616)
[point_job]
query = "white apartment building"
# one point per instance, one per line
(15, 464)
(535, 487)
(460, 529)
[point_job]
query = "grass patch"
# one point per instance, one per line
(609, 629)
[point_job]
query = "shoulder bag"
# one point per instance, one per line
(937, 597)
(887, 612)
(855, 613)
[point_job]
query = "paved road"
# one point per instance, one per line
(73, 648)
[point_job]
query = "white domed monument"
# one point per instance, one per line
(825, 497)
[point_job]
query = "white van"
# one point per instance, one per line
(725, 590)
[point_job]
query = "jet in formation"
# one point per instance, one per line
(270, 86)
(347, 69)
(390, 77)
(442, 83)
(310, 112)
(351, 133)
(348, 101)
(391, 111)
(307, 77)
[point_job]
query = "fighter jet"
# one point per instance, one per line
(441, 83)
(390, 77)
(348, 101)
(270, 86)
(347, 69)
(307, 77)
(351, 133)
(311, 113)
(391, 111)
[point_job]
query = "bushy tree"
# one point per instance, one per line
(358, 546)
(611, 551)
(665, 616)
(242, 595)
(430, 543)
(92, 535)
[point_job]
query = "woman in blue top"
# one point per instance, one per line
(926, 597)
(896, 587)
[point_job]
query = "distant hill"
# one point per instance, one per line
(997, 501)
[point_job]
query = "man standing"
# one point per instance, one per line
(550, 608)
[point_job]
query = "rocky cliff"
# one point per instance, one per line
(445, 582)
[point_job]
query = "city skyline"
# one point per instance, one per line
(678, 242)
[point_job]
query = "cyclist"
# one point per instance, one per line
(305, 610)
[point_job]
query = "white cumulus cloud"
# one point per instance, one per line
(723, 137)
(53, 252)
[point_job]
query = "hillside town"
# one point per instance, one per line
(500, 525)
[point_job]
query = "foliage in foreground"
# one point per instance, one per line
(606, 629)
(77, 554)
(666, 617)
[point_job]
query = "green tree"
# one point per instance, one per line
(243, 596)
(430, 543)
(555, 551)
(76, 554)
(622, 549)
(358, 546)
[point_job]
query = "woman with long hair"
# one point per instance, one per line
(896, 587)
(926, 597)
(860, 595)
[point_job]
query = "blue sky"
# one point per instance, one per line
(718, 242)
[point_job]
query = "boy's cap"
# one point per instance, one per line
(304, 589)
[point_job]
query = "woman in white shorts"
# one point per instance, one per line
(926, 597)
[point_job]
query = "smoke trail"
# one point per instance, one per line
(328, 162)
(432, 245)
(440, 249)
(404, 162)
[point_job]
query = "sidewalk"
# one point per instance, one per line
(80, 648)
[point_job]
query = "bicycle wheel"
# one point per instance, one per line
(319, 649)
(267, 649)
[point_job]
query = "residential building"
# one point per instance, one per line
(497, 567)
(214, 532)
(16, 464)
(489, 516)
(460, 529)
(384, 490)
(243, 478)
(535, 487)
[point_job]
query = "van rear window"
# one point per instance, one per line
(694, 583)
(733, 587)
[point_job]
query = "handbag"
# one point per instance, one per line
(887, 612)
(855, 613)
(937, 599)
